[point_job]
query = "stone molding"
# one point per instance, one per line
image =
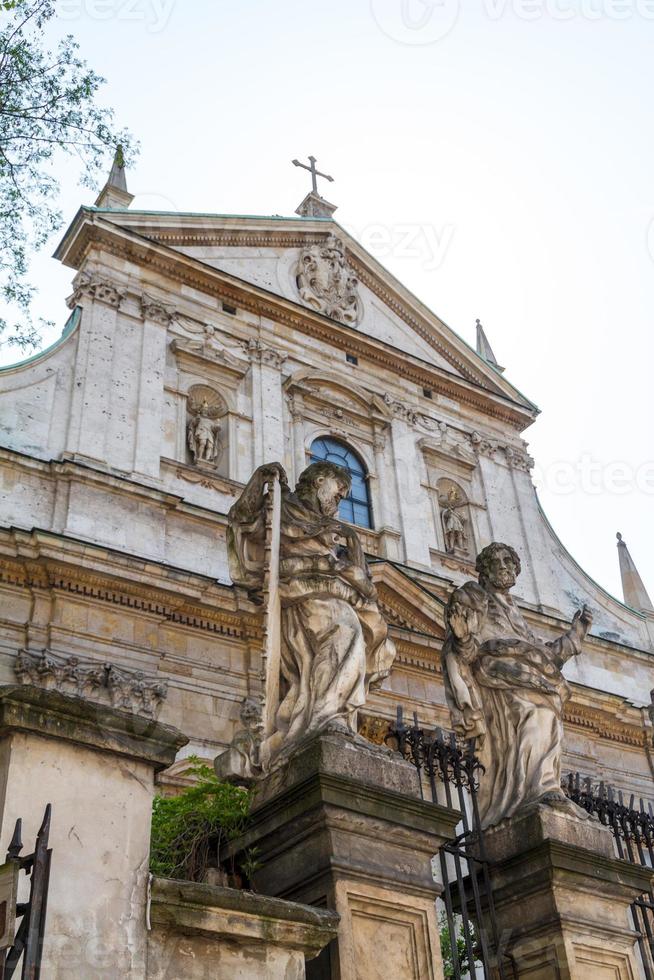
(121, 687)
(34, 711)
(209, 350)
(77, 580)
(575, 715)
(604, 724)
(240, 916)
(290, 239)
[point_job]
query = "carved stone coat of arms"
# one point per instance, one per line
(326, 282)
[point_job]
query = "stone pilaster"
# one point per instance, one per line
(562, 899)
(147, 447)
(267, 402)
(414, 505)
(96, 766)
(341, 826)
(90, 409)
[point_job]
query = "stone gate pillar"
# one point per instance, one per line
(562, 898)
(341, 826)
(96, 766)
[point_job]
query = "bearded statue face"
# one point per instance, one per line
(329, 493)
(501, 570)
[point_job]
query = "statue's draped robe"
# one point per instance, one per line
(334, 640)
(515, 691)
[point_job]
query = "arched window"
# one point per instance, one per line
(356, 506)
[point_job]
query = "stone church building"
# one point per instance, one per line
(198, 347)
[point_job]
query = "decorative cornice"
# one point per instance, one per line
(290, 239)
(208, 350)
(604, 724)
(575, 715)
(59, 576)
(50, 714)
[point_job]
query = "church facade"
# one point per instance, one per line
(201, 346)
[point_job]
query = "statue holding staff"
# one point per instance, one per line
(334, 643)
(505, 687)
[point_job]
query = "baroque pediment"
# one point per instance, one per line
(313, 264)
(406, 604)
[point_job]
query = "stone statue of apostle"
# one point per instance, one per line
(334, 641)
(505, 687)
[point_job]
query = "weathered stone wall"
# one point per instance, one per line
(119, 550)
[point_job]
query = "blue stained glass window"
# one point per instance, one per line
(356, 507)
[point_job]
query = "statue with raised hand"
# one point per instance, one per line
(505, 687)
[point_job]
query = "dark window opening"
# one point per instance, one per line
(356, 507)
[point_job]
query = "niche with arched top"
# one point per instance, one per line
(455, 518)
(207, 432)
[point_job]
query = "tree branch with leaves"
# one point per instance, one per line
(48, 110)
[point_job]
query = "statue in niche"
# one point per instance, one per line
(454, 531)
(326, 282)
(334, 644)
(203, 430)
(505, 687)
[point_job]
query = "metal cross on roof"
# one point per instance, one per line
(314, 173)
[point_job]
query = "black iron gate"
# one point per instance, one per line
(448, 769)
(27, 942)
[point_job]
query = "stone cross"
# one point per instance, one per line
(314, 173)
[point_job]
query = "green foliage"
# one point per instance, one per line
(188, 830)
(446, 949)
(48, 109)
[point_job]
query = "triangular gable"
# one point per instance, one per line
(405, 603)
(264, 251)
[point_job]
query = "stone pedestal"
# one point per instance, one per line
(562, 899)
(341, 826)
(96, 766)
(201, 932)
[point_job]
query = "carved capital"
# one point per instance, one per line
(258, 353)
(97, 288)
(128, 690)
(152, 309)
(518, 459)
(400, 410)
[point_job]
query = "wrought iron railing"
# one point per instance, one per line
(26, 942)
(632, 825)
(448, 770)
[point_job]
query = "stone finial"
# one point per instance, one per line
(114, 194)
(633, 588)
(315, 206)
(485, 350)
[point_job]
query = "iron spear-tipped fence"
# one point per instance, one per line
(27, 941)
(448, 770)
(448, 773)
(632, 824)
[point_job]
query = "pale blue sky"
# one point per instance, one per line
(498, 157)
